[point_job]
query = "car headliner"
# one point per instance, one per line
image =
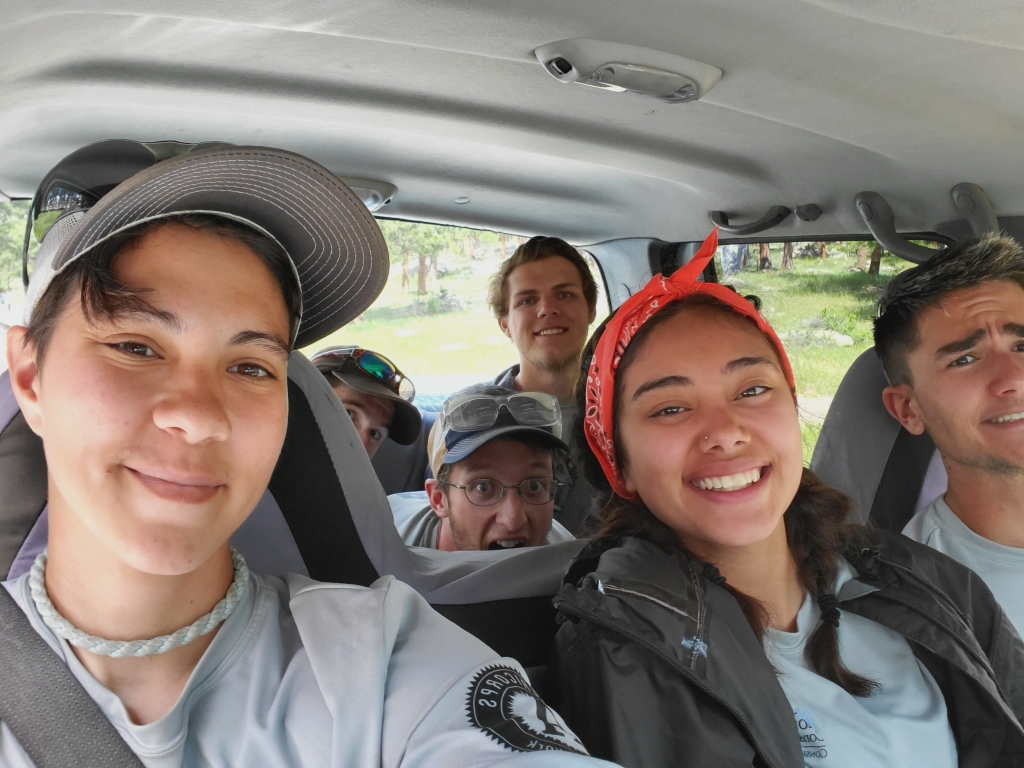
(820, 99)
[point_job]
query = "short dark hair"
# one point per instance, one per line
(538, 249)
(965, 265)
(101, 295)
(534, 443)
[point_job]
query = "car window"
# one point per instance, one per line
(821, 298)
(12, 235)
(432, 319)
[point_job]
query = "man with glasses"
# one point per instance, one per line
(492, 453)
(377, 396)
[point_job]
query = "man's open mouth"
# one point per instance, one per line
(551, 331)
(727, 483)
(497, 546)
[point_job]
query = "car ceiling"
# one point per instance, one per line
(819, 100)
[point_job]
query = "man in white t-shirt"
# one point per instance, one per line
(950, 335)
(492, 454)
(153, 365)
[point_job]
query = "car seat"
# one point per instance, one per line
(865, 453)
(403, 468)
(325, 514)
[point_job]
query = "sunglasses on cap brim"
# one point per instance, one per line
(376, 366)
(475, 412)
(79, 181)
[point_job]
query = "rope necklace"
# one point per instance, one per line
(120, 649)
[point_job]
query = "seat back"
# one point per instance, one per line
(326, 512)
(403, 468)
(865, 453)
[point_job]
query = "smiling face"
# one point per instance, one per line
(548, 315)
(967, 377)
(511, 522)
(709, 431)
(162, 429)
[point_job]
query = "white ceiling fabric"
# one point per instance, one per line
(820, 99)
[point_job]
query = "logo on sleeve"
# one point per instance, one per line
(812, 742)
(503, 704)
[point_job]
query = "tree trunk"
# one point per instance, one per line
(744, 256)
(765, 261)
(823, 254)
(504, 245)
(876, 260)
(862, 258)
(433, 268)
(787, 256)
(421, 282)
(405, 271)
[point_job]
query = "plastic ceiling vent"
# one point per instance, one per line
(617, 67)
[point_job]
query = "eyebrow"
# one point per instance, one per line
(685, 381)
(269, 341)
(663, 383)
(748, 362)
(529, 291)
(143, 310)
(960, 345)
(968, 342)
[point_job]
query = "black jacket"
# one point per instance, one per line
(656, 666)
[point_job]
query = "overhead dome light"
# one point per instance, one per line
(621, 68)
(666, 86)
(374, 194)
(461, 200)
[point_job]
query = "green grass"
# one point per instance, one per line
(819, 295)
(460, 342)
(809, 431)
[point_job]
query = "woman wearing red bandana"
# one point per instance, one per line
(726, 614)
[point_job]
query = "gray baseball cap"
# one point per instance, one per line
(335, 246)
(406, 421)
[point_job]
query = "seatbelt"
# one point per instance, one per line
(901, 482)
(49, 712)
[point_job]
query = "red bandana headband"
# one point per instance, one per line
(599, 419)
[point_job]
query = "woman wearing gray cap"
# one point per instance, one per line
(153, 365)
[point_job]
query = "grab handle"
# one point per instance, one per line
(775, 216)
(878, 216)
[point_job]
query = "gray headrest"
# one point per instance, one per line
(865, 453)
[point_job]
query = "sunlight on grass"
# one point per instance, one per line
(460, 342)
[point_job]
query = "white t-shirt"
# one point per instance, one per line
(1000, 567)
(418, 524)
(310, 674)
(903, 724)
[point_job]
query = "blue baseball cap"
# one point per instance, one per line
(449, 446)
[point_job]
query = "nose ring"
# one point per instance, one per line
(705, 437)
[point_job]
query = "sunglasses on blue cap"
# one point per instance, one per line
(476, 412)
